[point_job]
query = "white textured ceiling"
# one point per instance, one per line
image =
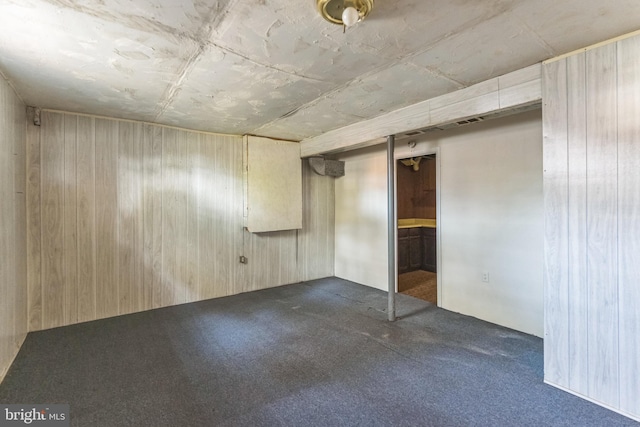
(275, 67)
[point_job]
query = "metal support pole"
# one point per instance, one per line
(392, 224)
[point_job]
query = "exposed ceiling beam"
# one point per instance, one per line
(500, 94)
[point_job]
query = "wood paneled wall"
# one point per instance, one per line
(316, 240)
(13, 273)
(125, 217)
(417, 190)
(592, 217)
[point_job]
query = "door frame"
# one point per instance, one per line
(405, 153)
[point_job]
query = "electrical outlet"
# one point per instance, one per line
(485, 276)
(243, 259)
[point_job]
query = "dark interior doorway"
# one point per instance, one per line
(416, 245)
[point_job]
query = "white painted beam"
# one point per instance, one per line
(500, 94)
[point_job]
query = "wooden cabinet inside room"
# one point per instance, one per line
(416, 249)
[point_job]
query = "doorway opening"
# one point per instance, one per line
(416, 207)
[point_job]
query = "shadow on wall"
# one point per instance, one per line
(136, 216)
(361, 218)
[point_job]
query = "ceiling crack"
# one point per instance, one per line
(392, 62)
(174, 88)
(213, 20)
(203, 38)
(260, 64)
(132, 21)
(550, 50)
(437, 73)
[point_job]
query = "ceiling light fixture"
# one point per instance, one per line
(412, 162)
(344, 12)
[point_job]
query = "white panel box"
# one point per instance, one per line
(273, 200)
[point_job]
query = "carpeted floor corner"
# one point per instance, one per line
(319, 353)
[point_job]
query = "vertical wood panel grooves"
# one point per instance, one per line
(77, 229)
(602, 224)
(155, 218)
(628, 62)
(603, 212)
(16, 275)
(40, 325)
(556, 351)
(94, 240)
(617, 242)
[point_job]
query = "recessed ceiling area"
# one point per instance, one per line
(275, 67)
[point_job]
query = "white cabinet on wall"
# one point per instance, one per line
(273, 193)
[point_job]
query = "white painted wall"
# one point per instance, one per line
(361, 218)
(490, 219)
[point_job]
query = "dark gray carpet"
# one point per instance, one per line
(318, 353)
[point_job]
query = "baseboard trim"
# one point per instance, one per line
(604, 405)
